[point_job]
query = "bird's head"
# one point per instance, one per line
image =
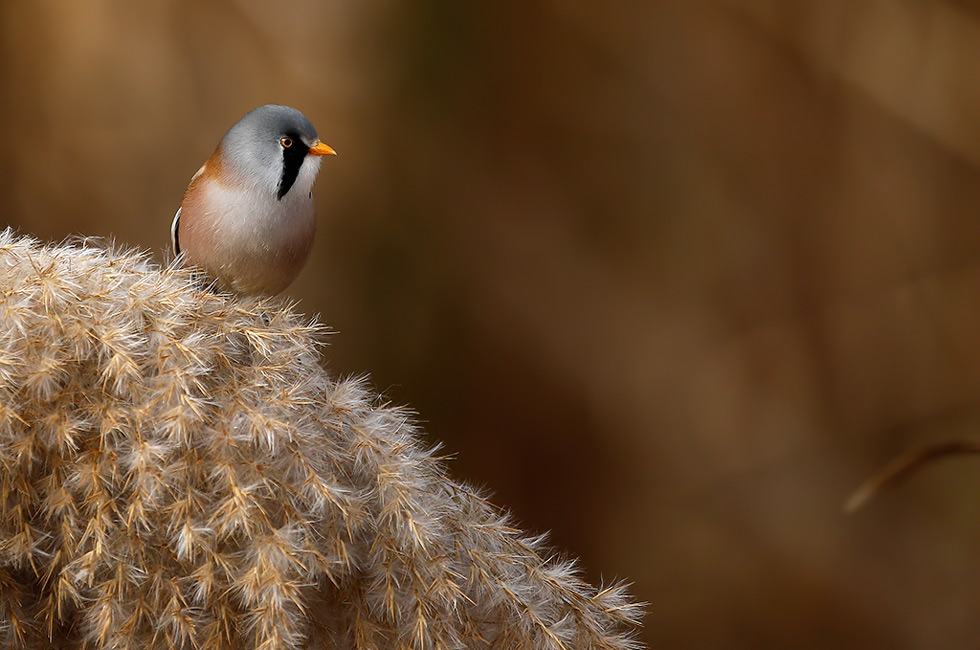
(274, 149)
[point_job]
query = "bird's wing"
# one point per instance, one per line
(173, 233)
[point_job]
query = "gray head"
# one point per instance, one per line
(274, 149)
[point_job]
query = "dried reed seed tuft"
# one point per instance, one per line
(178, 471)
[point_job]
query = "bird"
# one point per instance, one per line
(247, 218)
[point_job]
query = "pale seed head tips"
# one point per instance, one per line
(178, 471)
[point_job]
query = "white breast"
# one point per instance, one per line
(244, 236)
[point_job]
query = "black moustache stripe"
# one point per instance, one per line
(292, 160)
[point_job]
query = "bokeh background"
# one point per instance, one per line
(670, 278)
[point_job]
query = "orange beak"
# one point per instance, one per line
(320, 149)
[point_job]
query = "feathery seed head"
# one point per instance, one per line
(177, 470)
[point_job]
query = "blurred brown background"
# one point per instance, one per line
(670, 278)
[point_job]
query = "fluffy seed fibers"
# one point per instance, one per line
(177, 470)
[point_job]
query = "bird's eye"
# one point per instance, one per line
(286, 142)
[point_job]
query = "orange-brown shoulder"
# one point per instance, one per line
(212, 170)
(195, 230)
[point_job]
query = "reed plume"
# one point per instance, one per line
(177, 470)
